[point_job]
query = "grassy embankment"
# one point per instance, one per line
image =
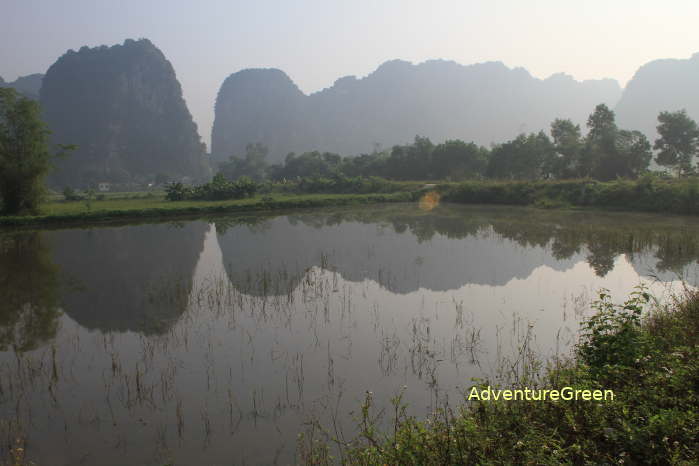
(651, 364)
(647, 194)
(61, 212)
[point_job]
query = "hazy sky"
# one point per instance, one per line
(317, 41)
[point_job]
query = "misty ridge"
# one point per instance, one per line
(123, 108)
(484, 103)
(29, 85)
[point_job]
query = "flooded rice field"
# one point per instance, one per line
(218, 341)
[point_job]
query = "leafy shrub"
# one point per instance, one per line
(650, 193)
(611, 337)
(217, 189)
(71, 195)
(340, 184)
(177, 192)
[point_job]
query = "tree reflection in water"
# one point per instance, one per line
(30, 290)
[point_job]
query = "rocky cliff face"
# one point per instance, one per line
(29, 85)
(259, 105)
(485, 103)
(123, 107)
(661, 85)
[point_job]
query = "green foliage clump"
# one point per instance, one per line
(221, 188)
(526, 157)
(71, 195)
(253, 165)
(678, 143)
(25, 158)
(339, 184)
(217, 189)
(650, 193)
(611, 337)
(178, 192)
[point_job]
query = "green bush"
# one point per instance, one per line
(339, 184)
(71, 195)
(611, 337)
(177, 192)
(218, 189)
(649, 193)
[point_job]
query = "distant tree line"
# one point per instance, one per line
(605, 153)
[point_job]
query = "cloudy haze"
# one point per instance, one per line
(315, 42)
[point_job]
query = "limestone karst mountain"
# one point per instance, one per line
(29, 85)
(660, 85)
(123, 107)
(484, 103)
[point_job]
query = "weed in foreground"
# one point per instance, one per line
(648, 357)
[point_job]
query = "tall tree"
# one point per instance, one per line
(526, 157)
(373, 164)
(600, 158)
(678, 143)
(568, 146)
(411, 161)
(457, 160)
(633, 149)
(610, 152)
(25, 159)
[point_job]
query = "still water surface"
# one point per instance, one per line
(213, 342)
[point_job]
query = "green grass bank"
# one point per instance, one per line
(66, 212)
(650, 194)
